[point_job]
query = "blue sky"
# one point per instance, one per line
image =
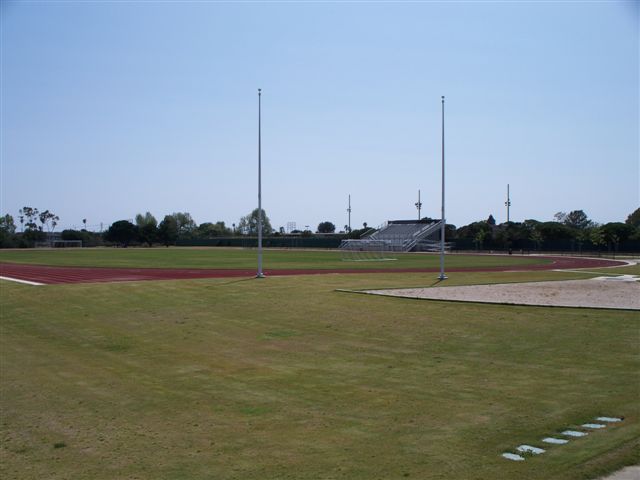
(109, 109)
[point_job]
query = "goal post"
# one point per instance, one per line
(67, 244)
(365, 250)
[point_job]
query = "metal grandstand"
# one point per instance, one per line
(394, 236)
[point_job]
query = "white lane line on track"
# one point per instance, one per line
(26, 282)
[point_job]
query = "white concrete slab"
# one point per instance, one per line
(609, 419)
(530, 449)
(513, 456)
(555, 441)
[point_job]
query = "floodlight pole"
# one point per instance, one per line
(508, 203)
(259, 274)
(419, 205)
(443, 221)
(349, 210)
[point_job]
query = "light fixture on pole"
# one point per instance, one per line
(349, 210)
(508, 203)
(419, 205)
(443, 221)
(259, 274)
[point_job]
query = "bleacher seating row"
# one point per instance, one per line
(403, 236)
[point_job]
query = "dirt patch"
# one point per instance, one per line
(602, 292)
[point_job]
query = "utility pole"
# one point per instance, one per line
(442, 275)
(508, 203)
(349, 210)
(259, 274)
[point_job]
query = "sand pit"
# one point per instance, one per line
(621, 292)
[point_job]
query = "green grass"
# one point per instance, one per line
(242, 258)
(287, 378)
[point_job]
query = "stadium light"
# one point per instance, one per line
(259, 274)
(419, 205)
(349, 210)
(442, 226)
(508, 203)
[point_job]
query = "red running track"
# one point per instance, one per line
(53, 275)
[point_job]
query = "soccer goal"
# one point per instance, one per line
(365, 250)
(67, 244)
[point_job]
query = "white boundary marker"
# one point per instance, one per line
(26, 282)
(628, 262)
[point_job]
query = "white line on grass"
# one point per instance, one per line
(27, 282)
(612, 274)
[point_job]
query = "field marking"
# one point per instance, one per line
(26, 282)
(612, 274)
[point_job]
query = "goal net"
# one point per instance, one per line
(67, 244)
(365, 250)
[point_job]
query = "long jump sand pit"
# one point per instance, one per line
(622, 292)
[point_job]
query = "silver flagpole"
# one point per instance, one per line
(259, 274)
(442, 226)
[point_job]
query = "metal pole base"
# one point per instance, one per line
(442, 276)
(260, 275)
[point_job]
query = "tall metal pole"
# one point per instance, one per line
(443, 220)
(419, 205)
(349, 210)
(259, 274)
(508, 203)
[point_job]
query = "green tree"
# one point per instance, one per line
(326, 227)
(186, 225)
(7, 232)
(30, 215)
(49, 220)
(123, 232)
(210, 230)
(7, 224)
(471, 231)
(512, 234)
(616, 232)
(248, 224)
(32, 232)
(537, 238)
(597, 237)
(168, 230)
(634, 218)
(555, 231)
(147, 228)
(356, 233)
(583, 237)
(479, 238)
(89, 239)
(577, 219)
(560, 217)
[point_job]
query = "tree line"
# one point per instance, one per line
(37, 226)
(573, 228)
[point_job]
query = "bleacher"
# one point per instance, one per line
(405, 235)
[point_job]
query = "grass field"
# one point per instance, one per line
(242, 259)
(288, 378)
